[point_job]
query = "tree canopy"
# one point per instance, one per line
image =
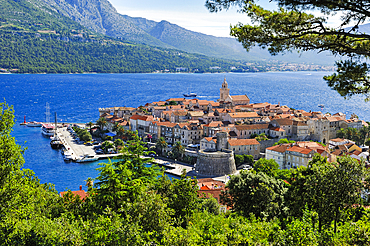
(293, 27)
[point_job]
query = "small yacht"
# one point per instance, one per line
(191, 94)
(87, 158)
(67, 156)
(34, 124)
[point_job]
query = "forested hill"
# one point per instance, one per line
(34, 38)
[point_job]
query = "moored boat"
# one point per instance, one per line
(191, 94)
(67, 156)
(87, 158)
(34, 124)
(56, 144)
(47, 130)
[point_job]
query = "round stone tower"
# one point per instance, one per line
(216, 162)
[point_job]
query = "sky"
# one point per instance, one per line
(190, 14)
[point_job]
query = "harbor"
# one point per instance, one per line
(77, 152)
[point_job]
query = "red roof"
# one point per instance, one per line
(141, 117)
(304, 151)
(244, 115)
(242, 142)
(279, 148)
(81, 193)
(210, 139)
(277, 129)
(251, 127)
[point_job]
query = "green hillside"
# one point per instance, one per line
(37, 39)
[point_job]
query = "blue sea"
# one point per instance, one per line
(77, 98)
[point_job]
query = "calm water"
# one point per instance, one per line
(76, 98)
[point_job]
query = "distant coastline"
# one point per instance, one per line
(290, 68)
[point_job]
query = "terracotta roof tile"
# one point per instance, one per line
(284, 122)
(277, 129)
(176, 99)
(251, 127)
(237, 142)
(244, 115)
(180, 112)
(300, 150)
(210, 139)
(141, 117)
(195, 113)
(214, 124)
(279, 148)
(81, 193)
(240, 98)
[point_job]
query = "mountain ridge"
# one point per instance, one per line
(102, 17)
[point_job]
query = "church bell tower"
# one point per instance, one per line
(224, 91)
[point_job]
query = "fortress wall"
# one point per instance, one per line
(215, 163)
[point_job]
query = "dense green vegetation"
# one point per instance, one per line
(129, 205)
(360, 136)
(82, 134)
(48, 53)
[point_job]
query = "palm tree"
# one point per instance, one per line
(90, 124)
(178, 150)
(161, 144)
(120, 131)
(115, 127)
(101, 122)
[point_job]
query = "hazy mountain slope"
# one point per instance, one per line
(102, 17)
(222, 47)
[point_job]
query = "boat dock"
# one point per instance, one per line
(76, 150)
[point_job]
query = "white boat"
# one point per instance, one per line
(34, 124)
(67, 156)
(191, 94)
(87, 158)
(47, 130)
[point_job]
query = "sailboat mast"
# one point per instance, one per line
(55, 127)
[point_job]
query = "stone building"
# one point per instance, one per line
(225, 97)
(288, 156)
(216, 162)
(245, 147)
(245, 131)
(319, 130)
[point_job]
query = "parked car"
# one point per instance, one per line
(97, 147)
(99, 151)
(246, 167)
